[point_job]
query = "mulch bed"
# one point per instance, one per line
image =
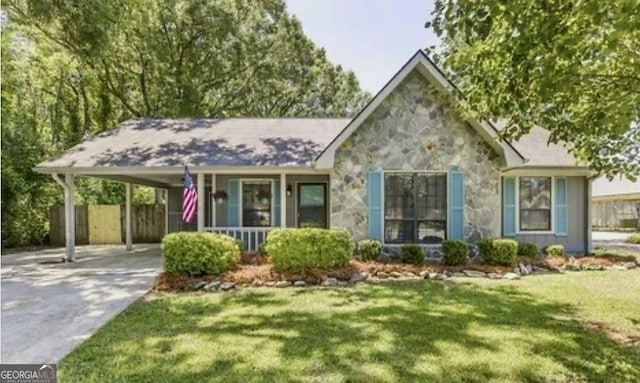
(254, 267)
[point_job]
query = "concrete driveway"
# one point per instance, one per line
(49, 309)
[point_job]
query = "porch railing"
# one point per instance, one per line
(251, 236)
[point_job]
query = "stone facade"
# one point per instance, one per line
(412, 130)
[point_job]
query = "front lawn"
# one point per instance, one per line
(532, 330)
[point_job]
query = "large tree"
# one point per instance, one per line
(71, 69)
(570, 66)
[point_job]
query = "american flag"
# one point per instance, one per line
(189, 198)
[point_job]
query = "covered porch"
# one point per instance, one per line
(255, 200)
(263, 167)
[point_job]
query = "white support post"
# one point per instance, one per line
(200, 191)
(213, 203)
(127, 218)
(70, 218)
(283, 200)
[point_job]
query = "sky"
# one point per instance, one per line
(374, 38)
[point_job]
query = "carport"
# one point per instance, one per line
(221, 154)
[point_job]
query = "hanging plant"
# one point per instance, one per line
(220, 196)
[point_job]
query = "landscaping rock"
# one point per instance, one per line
(459, 275)
(359, 276)
(474, 273)
(257, 282)
(630, 265)
(330, 282)
(395, 274)
(430, 276)
(440, 277)
(494, 275)
(424, 274)
(215, 285)
(382, 274)
(408, 274)
(557, 269)
(540, 269)
(524, 269)
(198, 285)
(270, 284)
(283, 284)
(299, 283)
(511, 276)
(227, 286)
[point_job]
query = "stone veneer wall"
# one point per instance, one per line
(411, 130)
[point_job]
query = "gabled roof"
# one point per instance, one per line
(273, 142)
(148, 142)
(420, 62)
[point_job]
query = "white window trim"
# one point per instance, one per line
(384, 173)
(553, 206)
(271, 182)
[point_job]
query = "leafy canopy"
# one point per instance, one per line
(572, 67)
(72, 69)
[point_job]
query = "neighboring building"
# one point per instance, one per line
(405, 169)
(615, 204)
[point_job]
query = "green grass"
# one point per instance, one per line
(424, 331)
(634, 238)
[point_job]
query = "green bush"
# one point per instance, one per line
(526, 249)
(291, 249)
(240, 244)
(262, 248)
(554, 250)
(454, 253)
(634, 238)
(498, 251)
(369, 249)
(412, 254)
(197, 253)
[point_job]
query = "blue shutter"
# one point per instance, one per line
(375, 186)
(561, 207)
(456, 205)
(508, 206)
(233, 205)
(276, 203)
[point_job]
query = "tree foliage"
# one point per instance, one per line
(572, 67)
(72, 69)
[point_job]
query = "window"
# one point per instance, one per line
(256, 203)
(535, 203)
(415, 207)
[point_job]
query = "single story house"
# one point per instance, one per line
(405, 169)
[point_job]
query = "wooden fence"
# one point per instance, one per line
(105, 224)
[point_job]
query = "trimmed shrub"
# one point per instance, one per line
(634, 238)
(485, 246)
(498, 251)
(292, 249)
(199, 253)
(369, 249)
(240, 244)
(412, 254)
(554, 251)
(526, 249)
(454, 252)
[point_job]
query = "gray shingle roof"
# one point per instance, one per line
(149, 142)
(205, 142)
(537, 152)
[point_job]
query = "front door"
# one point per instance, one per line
(312, 205)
